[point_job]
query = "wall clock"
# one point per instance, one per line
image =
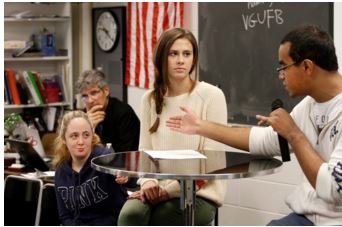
(108, 24)
(106, 31)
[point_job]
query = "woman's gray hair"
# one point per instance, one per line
(90, 78)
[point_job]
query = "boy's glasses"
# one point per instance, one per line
(281, 70)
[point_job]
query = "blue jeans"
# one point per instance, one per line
(292, 219)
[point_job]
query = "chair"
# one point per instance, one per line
(49, 210)
(22, 200)
(216, 220)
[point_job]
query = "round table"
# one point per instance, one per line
(217, 165)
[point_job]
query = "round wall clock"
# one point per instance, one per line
(106, 31)
(111, 57)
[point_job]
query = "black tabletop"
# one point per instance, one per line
(217, 165)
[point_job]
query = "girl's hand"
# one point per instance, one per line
(121, 179)
(153, 193)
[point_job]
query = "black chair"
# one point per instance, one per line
(216, 220)
(49, 211)
(22, 200)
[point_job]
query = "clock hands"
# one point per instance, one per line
(106, 32)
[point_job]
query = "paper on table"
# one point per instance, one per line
(175, 154)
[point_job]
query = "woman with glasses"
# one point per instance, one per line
(84, 195)
(157, 203)
(114, 121)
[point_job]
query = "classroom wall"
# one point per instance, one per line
(253, 201)
(338, 31)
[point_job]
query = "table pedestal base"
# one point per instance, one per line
(187, 201)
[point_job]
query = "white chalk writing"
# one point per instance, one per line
(251, 5)
(266, 17)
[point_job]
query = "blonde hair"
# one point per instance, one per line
(61, 151)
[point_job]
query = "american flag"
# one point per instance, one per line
(146, 22)
(132, 161)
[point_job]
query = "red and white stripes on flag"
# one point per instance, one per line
(146, 22)
(132, 161)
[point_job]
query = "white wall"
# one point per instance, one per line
(338, 31)
(258, 200)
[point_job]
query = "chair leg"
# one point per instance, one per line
(216, 218)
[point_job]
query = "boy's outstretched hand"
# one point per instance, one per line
(187, 123)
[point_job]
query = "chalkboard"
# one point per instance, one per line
(238, 47)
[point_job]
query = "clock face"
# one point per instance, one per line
(106, 31)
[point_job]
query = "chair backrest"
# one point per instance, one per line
(22, 200)
(49, 210)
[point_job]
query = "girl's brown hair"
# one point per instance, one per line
(61, 150)
(160, 61)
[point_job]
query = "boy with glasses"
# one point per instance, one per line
(114, 121)
(313, 129)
